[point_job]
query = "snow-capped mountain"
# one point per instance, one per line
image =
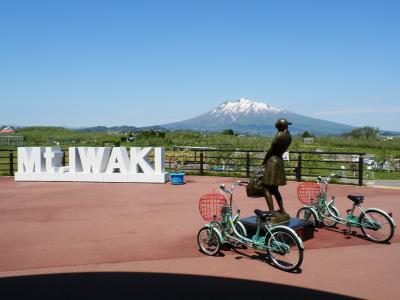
(243, 107)
(248, 116)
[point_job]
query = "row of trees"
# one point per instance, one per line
(364, 138)
(366, 132)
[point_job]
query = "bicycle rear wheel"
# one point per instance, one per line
(376, 226)
(328, 220)
(284, 248)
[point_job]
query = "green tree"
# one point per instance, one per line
(307, 134)
(363, 132)
(228, 132)
(370, 132)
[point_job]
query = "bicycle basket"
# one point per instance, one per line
(307, 191)
(210, 205)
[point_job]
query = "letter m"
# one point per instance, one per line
(30, 159)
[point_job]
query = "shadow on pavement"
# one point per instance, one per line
(115, 285)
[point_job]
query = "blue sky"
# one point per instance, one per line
(85, 63)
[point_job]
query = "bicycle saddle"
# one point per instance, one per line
(263, 215)
(356, 199)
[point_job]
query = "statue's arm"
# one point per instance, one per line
(267, 155)
(270, 151)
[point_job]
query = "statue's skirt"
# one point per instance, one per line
(274, 173)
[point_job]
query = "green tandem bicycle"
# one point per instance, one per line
(278, 242)
(376, 224)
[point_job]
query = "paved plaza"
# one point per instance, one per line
(57, 239)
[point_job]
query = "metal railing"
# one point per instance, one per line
(238, 162)
(8, 161)
(301, 164)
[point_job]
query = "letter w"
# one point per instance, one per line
(94, 159)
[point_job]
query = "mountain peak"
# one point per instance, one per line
(244, 115)
(243, 106)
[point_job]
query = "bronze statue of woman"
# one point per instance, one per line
(274, 174)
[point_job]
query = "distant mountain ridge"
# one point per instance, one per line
(246, 116)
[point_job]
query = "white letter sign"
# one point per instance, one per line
(96, 164)
(119, 161)
(139, 160)
(30, 159)
(94, 159)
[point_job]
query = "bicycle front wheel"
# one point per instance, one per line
(376, 226)
(208, 241)
(305, 213)
(284, 249)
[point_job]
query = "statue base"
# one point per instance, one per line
(303, 228)
(278, 218)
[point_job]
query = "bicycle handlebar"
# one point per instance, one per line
(326, 180)
(230, 191)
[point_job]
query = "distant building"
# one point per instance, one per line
(8, 130)
(308, 140)
(369, 160)
(390, 165)
(387, 166)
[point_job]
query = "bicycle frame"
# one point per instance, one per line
(257, 241)
(279, 243)
(351, 220)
